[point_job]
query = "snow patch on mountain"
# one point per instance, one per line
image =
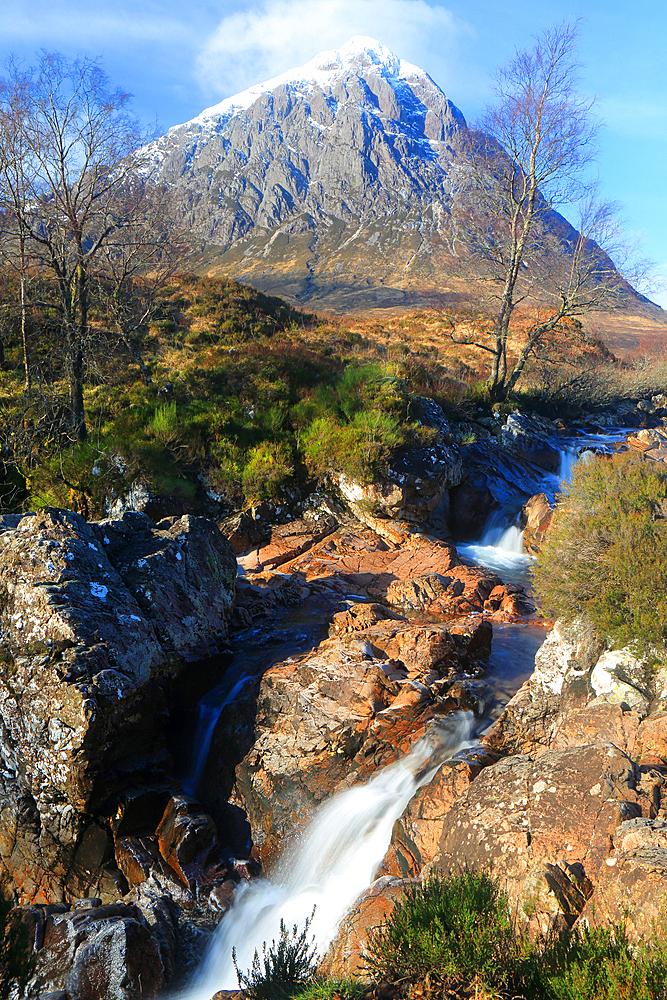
(359, 52)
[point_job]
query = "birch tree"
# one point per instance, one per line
(77, 144)
(532, 153)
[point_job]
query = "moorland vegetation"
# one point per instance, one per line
(453, 936)
(226, 390)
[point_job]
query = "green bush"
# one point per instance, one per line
(445, 932)
(164, 425)
(605, 557)
(596, 965)
(267, 470)
(286, 968)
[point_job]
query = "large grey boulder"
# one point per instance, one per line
(97, 622)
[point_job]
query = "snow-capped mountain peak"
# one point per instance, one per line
(359, 52)
(342, 165)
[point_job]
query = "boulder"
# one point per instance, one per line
(95, 952)
(578, 693)
(347, 955)
(529, 437)
(631, 886)
(544, 827)
(414, 492)
(97, 622)
(331, 717)
(536, 517)
(619, 678)
(560, 682)
(416, 833)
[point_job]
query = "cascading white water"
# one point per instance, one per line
(499, 535)
(569, 456)
(330, 865)
(500, 548)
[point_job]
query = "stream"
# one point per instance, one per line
(330, 865)
(335, 858)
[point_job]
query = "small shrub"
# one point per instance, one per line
(360, 449)
(449, 930)
(286, 967)
(267, 471)
(605, 557)
(165, 426)
(594, 965)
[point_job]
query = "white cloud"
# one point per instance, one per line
(262, 41)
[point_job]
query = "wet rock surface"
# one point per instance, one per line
(411, 572)
(536, 518)
(103, 626)
(99, 624)
(94, 951)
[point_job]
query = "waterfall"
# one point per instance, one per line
(209, 713)
(569, 456)
(500, 549)
(498, 534)
(331, 863)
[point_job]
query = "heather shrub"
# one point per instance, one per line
(447, 932)
(597, 965)
(360, 449)
(285, 969)
(268, 468)
(605, 557)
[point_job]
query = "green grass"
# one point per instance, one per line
(453, 936)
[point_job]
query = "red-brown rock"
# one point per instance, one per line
(347, 956)
(521, 815)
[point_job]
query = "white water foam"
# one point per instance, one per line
(330, 865)
(500, 548)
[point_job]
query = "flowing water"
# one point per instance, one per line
(292, 631)
(335, 858)
(331, 863)
(500, 547)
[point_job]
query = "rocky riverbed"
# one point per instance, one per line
(111, 633)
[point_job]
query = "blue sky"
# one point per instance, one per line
(179, 57)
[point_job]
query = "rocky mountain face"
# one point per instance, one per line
(331, 184)
(330, 178)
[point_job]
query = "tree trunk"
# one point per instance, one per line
(24, 329)
(77, 334)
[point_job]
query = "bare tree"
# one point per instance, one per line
(139, 259)
(77, 143)
(16, 189)
(531, 153)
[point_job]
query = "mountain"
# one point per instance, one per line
(329, 184)
(328, 181)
